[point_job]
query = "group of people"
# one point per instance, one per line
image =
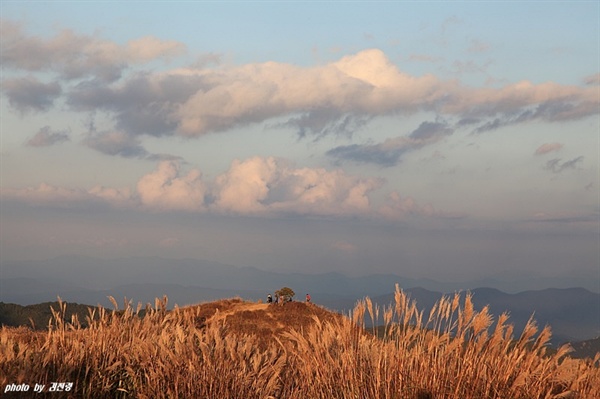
(277, 299)
(282, 300)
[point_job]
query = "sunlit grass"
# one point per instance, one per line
(236, 349)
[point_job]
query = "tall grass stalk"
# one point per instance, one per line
(455, 351)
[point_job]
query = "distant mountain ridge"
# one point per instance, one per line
(102, 274)
(38, 316)
(588, 348)
(573, 313)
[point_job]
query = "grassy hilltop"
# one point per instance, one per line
(237, 349)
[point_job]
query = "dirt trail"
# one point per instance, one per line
(252, 307)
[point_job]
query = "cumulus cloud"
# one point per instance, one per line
(143, 104)
(263, 187)
(390, 152)
(122, 144)
(115, 143)
(343, 95)
(29, 94)
(46, 137)
(245, 187)
(547, 148)
(164, 189)
(338, 97)
(255, 186)
(557, 166)
(167, 189)
(76, 56)
(269, 185)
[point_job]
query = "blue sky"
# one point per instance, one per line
(430, 139)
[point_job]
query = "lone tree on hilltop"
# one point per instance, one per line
(285, 293)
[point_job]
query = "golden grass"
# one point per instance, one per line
(235, 349)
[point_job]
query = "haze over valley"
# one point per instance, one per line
(337, 148)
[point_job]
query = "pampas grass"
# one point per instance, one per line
(204, 352)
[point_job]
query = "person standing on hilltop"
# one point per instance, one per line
(307, 298)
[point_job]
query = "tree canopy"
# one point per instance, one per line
(286, 293)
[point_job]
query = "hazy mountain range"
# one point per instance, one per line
(573, 313)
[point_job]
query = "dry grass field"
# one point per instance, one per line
(236, 349)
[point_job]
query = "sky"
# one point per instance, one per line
(445, 140)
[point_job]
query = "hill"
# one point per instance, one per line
(266, 321)
(586, 349)
(89, 280)
(263, 321)
(243, 317)
(572, 312)
(39, 315)
(233, 348)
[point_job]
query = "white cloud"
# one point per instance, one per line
(335, 97)
(322, 192)
(244, 188)
(273, 186)
(319, 99)
(29, 94)
(115, 143)
(166, 189)
(332, 98)
(255, 186)
(75, 56)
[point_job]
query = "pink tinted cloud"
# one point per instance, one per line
(270, 185)
(167, 189)
(46, 137)
(547, 148)
(75, 55)
(259, 186)
(320, 99)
